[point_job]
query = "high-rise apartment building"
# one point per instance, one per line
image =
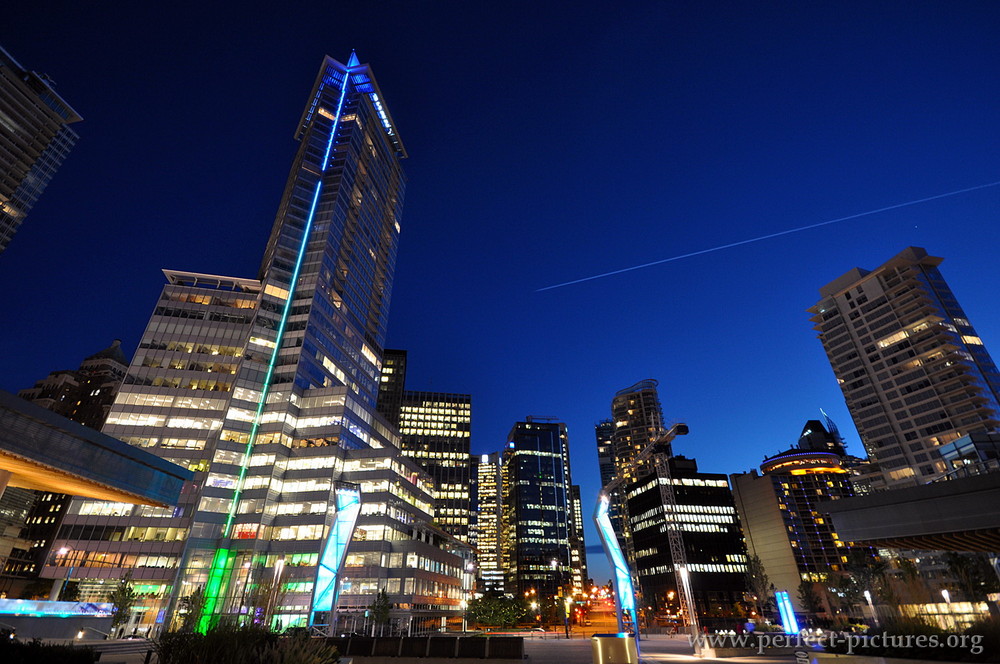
(267, 388)
(35, 138)
(489, 512)
(782, 520)
(913, 370)
(604, 432)
(537, 520)
(85, 396)
(638, 422)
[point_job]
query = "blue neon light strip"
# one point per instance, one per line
(622, 579)
(786, 612)
(266, 388)
(335, 550)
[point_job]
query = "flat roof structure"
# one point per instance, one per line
(44, 451)
(954, 515)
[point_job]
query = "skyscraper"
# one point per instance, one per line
(638, 422)
(604, 432)
(34, 140)
(537, 510)
(578, 545)
(913, 370)
(489, 484)
(267, 388)
(435, 430)
(392, 385)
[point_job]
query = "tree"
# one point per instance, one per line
(192, 605)
(809, 598)
(758, 584)
(122, 599)
(380, 610)
(496, 610)
(974, 575)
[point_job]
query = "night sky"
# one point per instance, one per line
(548, 142)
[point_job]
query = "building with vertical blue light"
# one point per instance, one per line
(266, 387)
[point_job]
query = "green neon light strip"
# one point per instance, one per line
(222, 561)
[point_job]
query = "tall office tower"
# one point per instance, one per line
(35, 140)
(267, 388)
(782, 522)
(578, 545)
(435, 430)
(490, 513)
(713, 545)
(392, 384)
(604, 431)
(83, 395)
(913, 370)
(537, 517)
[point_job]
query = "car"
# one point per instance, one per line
(537, 629)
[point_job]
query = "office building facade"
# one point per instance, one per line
(35, 140)
(537, 519)
(604, 432)
(712, 540)
(913, 370)
(266, 387)
(489, 522)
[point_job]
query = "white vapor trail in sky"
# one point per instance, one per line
(769, 236)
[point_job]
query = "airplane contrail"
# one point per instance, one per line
(769, 236)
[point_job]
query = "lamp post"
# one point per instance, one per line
(868, 598)
(58, 584)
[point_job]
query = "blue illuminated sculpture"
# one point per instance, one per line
(622, 579)
(327, 587)
(786, 612)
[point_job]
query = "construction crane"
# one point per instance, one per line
(623, 578)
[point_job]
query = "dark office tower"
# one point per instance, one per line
(782, 520)
(83, 395)
(604, 432)
(392, 384)
(913, 370)
(578, 545)
(435, 430)
(537, 510)
(34, 140)
(489, 518)
(713, 543)
(266, 388)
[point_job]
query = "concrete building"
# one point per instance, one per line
(34, 141)
(913, 370)
(782, 520)
(266, 388)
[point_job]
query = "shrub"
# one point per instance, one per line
(35, 652)
(242, 645)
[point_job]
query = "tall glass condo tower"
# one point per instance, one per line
(267, 388)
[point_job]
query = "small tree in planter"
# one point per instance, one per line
(122, 599)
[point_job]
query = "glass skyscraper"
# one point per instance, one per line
(267, 388)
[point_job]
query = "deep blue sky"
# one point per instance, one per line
(548, 142)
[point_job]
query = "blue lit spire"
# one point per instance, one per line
(353, 60)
